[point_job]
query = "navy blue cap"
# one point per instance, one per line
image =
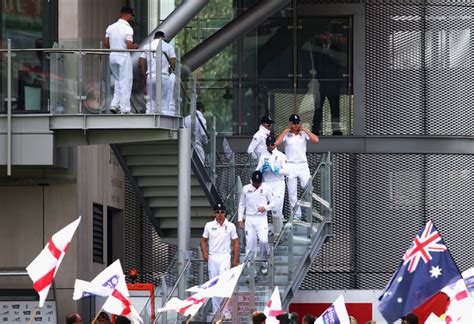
(257, 177)
(295, 119)
(270, 140)
(219, 206)
(266, 120)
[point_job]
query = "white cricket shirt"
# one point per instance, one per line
(219, 236)
(252, 198)
(295, 147)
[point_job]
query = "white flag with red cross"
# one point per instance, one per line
(119, 303)
(273, 307)
(187, 307)
(45, 266)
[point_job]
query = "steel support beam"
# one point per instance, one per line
(176, 21)
(230, 32)
(184, 200)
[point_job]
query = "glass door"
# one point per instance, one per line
(324, 94)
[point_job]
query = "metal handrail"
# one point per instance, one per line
(218, 314)
(298, 202)
(185, 269)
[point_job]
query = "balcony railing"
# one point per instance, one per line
(73, 80)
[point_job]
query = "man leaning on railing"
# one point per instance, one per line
(168, 59)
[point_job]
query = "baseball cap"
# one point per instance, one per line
(219, 206)
(266, 120)
(295, 119)
(127, 9)
(257, 176)
(270, 140)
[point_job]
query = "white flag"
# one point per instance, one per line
(460, 308)
(273, 307)
(221, 286)
(119, 303)
(101, 285)
(45, 266)
(433, 319)
(189, 306)
(335, 314)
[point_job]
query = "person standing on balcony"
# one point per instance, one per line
(119, 35)
(200, 130)
(273, 165)
(255, 201)
(219, 234)
(257, 146)
(294, 138)
(168, 59)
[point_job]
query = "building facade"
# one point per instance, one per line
(398, 72)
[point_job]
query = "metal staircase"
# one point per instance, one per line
(292, 253)
(152, 168)
(290, 257)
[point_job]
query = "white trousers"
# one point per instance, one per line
(278, 188)
(298, 171)
(217, 264)
(173, 96)
(122, 79)
(165, 95)
(256, 227)
(200, 151)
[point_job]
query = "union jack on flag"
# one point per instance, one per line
(415, 282)
(423, 244)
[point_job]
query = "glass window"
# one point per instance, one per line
(324, 98)
(29, 24)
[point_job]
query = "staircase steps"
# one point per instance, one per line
(154, 167)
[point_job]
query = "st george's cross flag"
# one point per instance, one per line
(119, 303)
(102, 285)
(222, 285)
(188, 307)
(273, 307)
(426, 268)
(335, 314)
(461, 304)
(45, 266)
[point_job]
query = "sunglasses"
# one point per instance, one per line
(219, 211)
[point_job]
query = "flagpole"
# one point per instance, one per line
(34, 314)
(97, 315)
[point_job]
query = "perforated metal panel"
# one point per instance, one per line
(334, 265)
(450, 203)
(143, 248)
(450, 70)
(419, 67)
(394, 80)
(381, 202)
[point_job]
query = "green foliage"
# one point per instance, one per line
(215, 75)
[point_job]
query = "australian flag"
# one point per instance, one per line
(426, 268)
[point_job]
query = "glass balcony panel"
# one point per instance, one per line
(29, 82)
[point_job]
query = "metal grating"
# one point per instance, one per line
(333, 267)
(419, 68)
(143, 248)
(450, 203)
(381, 201)
(394, 82)
(450, 70)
